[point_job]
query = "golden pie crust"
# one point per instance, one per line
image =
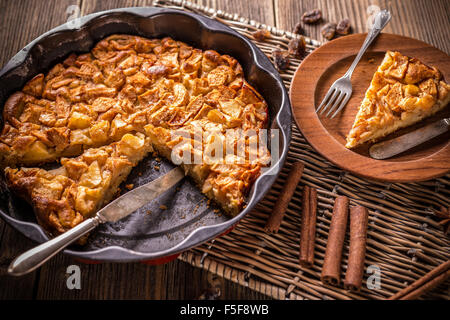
(65, 196)
(403, 91)
(102, 112)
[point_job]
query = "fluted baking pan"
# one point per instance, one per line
(188, 221)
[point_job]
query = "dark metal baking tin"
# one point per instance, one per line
(150, 232)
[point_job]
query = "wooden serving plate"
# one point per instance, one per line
(315, 76)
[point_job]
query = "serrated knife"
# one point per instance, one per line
(114, 211)
(390, 148)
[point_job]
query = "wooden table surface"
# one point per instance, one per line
(21, 21)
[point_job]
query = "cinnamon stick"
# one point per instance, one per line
(425, 283)
(359, 217)
(308, 226)
(279, 209)
(427, 286)
(331, 269)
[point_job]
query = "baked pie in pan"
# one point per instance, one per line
(101, 112)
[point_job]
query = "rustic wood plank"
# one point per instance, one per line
(11, 244)
(175, 280)
(90, 6)
(261, 11)
(425, 20)
(22, 21)
(288, 13)
(410, 18)
(98, 281)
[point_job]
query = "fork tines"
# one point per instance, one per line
(336, 98)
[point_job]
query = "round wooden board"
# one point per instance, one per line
(315, 76)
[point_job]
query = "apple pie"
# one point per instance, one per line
(65, 196)
(403, 91)
(101, 112)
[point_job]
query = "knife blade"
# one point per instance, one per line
(114, 211)
(392, 147)
(140, 196)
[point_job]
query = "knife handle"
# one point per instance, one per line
(33, 258)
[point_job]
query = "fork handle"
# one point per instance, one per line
(381, 20)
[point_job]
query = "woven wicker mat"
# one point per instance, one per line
(405, 240)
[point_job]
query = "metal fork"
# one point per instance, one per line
(341, 90)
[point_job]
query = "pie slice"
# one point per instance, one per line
(65, 196)
(403, 91)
